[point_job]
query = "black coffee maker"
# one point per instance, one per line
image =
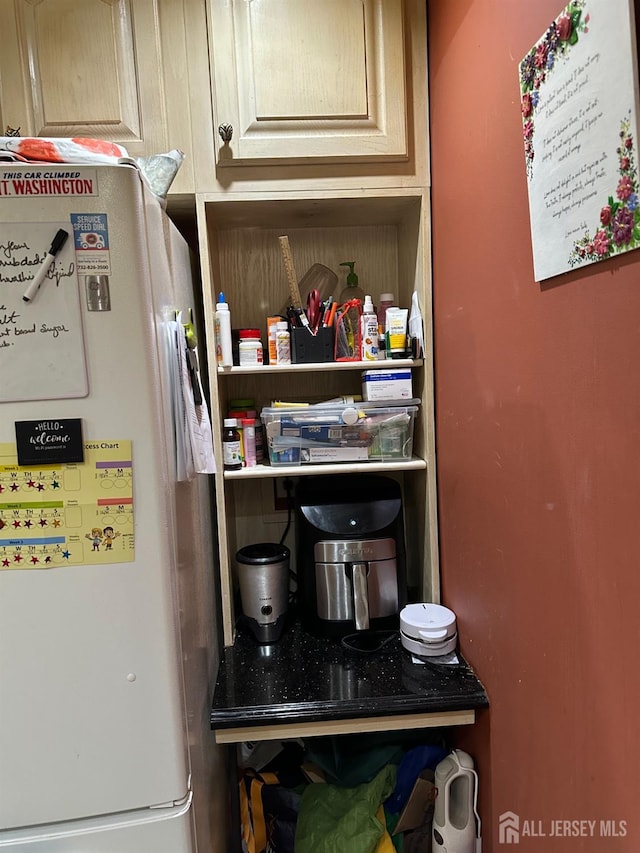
(350, 553)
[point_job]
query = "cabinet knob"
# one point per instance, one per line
(226, 132)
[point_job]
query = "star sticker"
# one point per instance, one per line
(16, 523)
(56, 522)
(47, 559)
(28, 523)
(17, 557)
(34, 560)
(2, 524)
(55, 485)
(66, 554)
(1, 488)
(43, 522)
(31, 484)
(14, 487)
(5, 562)
(40, 487)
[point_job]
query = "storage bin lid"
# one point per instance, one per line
(323, 410)
(429, 623)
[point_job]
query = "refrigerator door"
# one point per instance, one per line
(91, 695)
(148, 831)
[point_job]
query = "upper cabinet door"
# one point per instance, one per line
(301, 80)
(74, 69)
(104, 69)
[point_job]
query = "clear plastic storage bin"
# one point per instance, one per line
(360, 432)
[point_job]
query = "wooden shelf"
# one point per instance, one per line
(387, 364)
(356, 725)
(259, 472)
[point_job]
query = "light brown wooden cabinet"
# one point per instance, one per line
(388, 232)
(315, 100)
(299, 164)
(319, 94)
(108, 69)
(309, 80)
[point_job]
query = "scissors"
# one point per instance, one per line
(313, 309)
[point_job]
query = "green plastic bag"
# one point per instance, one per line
(343, 820)
(350, 760)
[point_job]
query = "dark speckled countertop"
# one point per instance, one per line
(305, 679)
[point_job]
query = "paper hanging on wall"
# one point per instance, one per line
(579, 101)
(41, 341)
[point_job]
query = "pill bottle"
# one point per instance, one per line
(259, 441)
(259, 436)
(250, 347)
(272, 326)
(283, 343)
(249, 433)
(231, 453)
(387, 300)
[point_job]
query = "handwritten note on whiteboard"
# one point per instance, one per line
(41, 342)
(579, 102)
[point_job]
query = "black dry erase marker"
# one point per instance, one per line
(56, 244)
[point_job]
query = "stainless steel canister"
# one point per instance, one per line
(263, 576)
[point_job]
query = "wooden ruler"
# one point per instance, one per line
(292, 279)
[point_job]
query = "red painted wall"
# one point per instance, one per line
(538, 443)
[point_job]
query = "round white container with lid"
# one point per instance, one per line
(428, 630)
(250, 347)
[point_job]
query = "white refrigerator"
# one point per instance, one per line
(107, 629)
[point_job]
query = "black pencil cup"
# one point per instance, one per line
(307, 348)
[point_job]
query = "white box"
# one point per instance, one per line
(387, 384)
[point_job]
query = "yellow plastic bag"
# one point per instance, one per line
(386, 844)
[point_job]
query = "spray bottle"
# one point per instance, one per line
(368, 332)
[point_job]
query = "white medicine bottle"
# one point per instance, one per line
(283, 343)
(250, 347)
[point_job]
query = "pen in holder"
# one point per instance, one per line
(307, 348)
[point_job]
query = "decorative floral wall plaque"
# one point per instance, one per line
(579, 100)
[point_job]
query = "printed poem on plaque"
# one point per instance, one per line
(579, 117)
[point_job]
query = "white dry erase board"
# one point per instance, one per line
(41, 342)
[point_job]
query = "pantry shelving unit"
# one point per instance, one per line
(386, 231)
(313, 367)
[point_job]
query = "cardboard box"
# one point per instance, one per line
(387, 384)
(419, 807)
